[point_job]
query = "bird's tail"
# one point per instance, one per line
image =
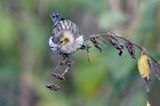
(60, 24)
(56, 17)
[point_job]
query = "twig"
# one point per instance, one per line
(117, 36)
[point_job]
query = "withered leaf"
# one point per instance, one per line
(115, 42)
(58, 76)
(66, 62)
(54, 87)
(131, 49)
(96, 43)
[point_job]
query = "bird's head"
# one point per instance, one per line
(66, 38)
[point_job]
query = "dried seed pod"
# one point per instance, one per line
(95, 43)
(54, 87)
(148, 104)
(115, 42)
(58, 76)
(131, 49)
(144, 67)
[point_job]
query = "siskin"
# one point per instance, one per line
(144, 67)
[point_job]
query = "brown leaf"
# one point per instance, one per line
(58, 76)
(131, 49)
(115, 42)
(54, 87)
(66, 62)
(95, 43)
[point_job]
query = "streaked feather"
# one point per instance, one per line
(66, 25)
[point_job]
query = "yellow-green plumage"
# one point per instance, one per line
(143, 67)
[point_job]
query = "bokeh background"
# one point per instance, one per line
(109, 80)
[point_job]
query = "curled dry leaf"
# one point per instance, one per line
(144, 67)
(58, 76)
(96, 43)
(115, 42)
(54, 87)
(131, 49)
(65, 62)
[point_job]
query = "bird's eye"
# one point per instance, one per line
(61, 41)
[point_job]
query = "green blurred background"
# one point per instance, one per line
(109, 80)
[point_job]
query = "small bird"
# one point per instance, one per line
(65, 38)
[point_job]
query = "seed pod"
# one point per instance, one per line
(54, 87)
(116, 43)
(131, 49)
(148, 104)
(58, 76)
(144, 67)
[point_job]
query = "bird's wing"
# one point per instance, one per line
(79, 41)
(65, 25)
(52, 45)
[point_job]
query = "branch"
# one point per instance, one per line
(104, 36)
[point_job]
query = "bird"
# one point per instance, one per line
(65, 38)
